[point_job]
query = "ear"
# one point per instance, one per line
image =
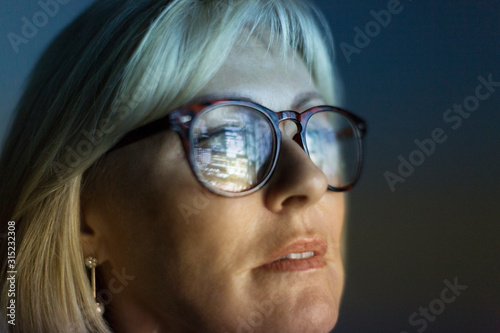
(92, 224)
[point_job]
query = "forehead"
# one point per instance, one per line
(261, 73)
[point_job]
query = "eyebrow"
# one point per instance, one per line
(214, 97)
(299, 101)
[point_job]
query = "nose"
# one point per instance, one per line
(289, 128)
(296, 182)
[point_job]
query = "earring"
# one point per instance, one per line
(91, 263)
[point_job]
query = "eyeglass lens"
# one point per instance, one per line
(333, 146)
(234, 147)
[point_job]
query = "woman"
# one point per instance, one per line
(146, 172)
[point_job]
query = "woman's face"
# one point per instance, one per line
(195, 260)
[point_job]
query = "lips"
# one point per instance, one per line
(301, 255)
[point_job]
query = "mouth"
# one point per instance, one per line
(301, 255)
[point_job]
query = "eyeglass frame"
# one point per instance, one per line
(180, 121)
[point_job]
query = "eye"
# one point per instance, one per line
(213, 136)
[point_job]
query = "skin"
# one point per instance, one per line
(201, 273)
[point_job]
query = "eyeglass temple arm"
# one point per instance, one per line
(143, 132)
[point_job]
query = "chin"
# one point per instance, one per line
(312, 316)
(318, 322)
(314, 312)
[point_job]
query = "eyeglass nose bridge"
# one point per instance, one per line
(295, 117)
(289, 114)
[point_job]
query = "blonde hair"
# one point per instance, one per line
(119, 65)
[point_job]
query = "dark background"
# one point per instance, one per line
(443, 222)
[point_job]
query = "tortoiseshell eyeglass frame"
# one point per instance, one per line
(181, 121)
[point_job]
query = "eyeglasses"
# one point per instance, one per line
(232, 146)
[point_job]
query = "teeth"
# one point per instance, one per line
(301, 255)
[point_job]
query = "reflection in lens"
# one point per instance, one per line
(233, 147)
(333, 146)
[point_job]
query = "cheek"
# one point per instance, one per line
(331, 217)
(149, 188)
(339, 211)
(162, 225)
